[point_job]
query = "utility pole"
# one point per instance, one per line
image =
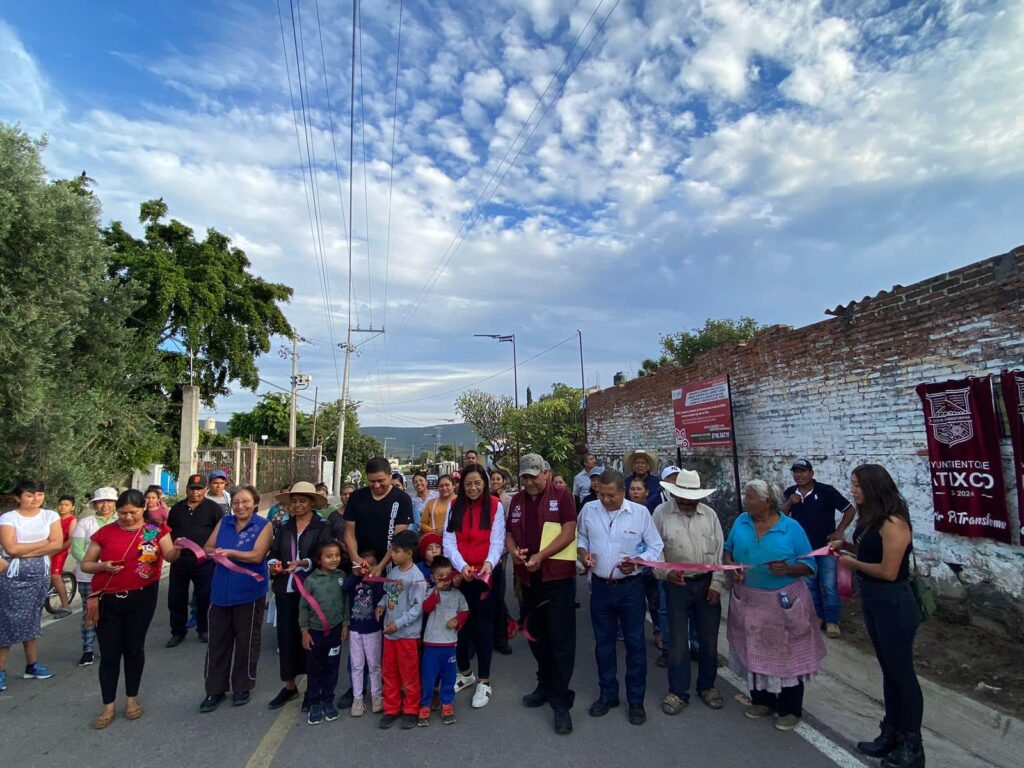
(295, 381)
(316, 397)
(583, 386)
(349, 348)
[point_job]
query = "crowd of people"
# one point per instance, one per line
(415, 585)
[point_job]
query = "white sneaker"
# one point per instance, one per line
(358, 708)
(481, 695)
(378, 705)
(462, 682)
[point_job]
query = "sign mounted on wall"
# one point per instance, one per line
(703, 414)
(963, 458)
(1013, 397)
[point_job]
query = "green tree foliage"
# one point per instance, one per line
(484, 412)
(79, 384)
(270, 416)
(199, 293)
(684, 347)
(551, 426)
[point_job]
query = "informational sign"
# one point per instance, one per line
(1013, 396)
(963, 457)
(703, 414)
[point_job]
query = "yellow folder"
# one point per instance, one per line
(549, 533)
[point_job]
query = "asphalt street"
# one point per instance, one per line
(46, 723)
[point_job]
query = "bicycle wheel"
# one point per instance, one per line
(52, 602)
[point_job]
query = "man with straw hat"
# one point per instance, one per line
(692, 533)
(642, 465)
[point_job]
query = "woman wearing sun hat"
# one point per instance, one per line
(291, 553)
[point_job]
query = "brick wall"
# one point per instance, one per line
(841, 392)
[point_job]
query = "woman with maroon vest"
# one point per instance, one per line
(474, 540)
(549, 610)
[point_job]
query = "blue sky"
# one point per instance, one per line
(705, 159)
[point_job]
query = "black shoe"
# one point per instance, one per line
(563, 722)
(387, 721)
(538, 698)
(305, 702)
(909, 753)
(662, 660)
(240, 699)
(283, 697)
(884, 744)
(600, 707)
(211, 702)
(504, 650)
(346, 699)
(203, 637)
(409, 721)
(87, 659)
(637, 714)
(175, 641)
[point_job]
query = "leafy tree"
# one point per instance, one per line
(214, 440)
(551, 426)
(271, 417)
(199, 293)
(684, 347)
(484, 412)
(79, 385)
(359, 448)
(446, 453)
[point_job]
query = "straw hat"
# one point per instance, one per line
(302, 488)
(687, 486)
(652, 460)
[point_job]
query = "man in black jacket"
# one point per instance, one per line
(193, 518)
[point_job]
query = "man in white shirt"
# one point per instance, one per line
(610, 533)
(692, 533)
(581, 483)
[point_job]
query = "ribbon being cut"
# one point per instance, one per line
(200, 553)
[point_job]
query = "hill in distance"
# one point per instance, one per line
(404, 442)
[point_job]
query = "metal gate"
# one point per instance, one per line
(266, 467)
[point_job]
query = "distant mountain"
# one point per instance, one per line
(403, 440)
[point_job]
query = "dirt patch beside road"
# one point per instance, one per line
(970, 660)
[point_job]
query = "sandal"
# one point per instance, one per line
(712, 698)
(105, 719)
(133, 711)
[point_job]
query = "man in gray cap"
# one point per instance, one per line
(541, 539)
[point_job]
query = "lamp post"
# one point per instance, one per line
(511, 338)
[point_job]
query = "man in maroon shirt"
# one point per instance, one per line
(549, 611)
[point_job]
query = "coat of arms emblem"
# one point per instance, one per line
(951, 420)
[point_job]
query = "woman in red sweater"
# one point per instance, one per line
(474, 540)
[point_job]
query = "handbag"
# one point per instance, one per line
(922, 590)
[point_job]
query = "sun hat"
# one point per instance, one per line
(303, 488)
(652, 460)
(687, 486)
(106, 493)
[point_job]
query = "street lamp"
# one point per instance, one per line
(515, 367)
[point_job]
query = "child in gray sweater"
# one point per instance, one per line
(446, 610)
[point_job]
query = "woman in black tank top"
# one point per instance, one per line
(880, 555)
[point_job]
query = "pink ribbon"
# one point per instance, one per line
(223, 560)
(297, 580)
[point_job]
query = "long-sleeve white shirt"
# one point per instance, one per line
(694, 538)
(496, 541)
(613, 536)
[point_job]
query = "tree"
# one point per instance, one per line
(200, 294)
(80, 385)
(447, 453)
(359, 448)
(684, 347)
(485, 413)
(271, 417)
(551, 426)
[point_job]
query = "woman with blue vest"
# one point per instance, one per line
(237, 600)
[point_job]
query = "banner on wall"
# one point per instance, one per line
(703, 414)
(1013, 396)
(963, 457)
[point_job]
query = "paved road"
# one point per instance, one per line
(46, 723)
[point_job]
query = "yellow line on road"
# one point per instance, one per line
(271, 742)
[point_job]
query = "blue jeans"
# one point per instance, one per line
(681, 599)
(825, 589)
(611, 606)
(88, 630)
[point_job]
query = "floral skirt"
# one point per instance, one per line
(21, 601)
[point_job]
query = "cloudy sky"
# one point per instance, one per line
(624, 168)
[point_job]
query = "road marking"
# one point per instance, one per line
(808, 733)
(274, 737)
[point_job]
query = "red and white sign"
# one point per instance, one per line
(1013, 396)
(963, 458)
(703, 414)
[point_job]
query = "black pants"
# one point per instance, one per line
(789, 702)
(322, 664)
(477, 634)
(652, 595)
(291, 654)
(186, 571)
(551, 619)
(892, 618)
(681, 600)
(121, 632)
(234, 649)
(500, 622)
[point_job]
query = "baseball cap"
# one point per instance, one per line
(596, 471)
(802, 464)
(196, 481)
(667, 472)
(217, 473)
(531, 464)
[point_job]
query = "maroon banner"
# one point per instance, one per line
(1013, 397)
(963, 457)
(703, 416)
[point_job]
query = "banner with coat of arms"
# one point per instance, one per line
(963, 458)
(1013, 396)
